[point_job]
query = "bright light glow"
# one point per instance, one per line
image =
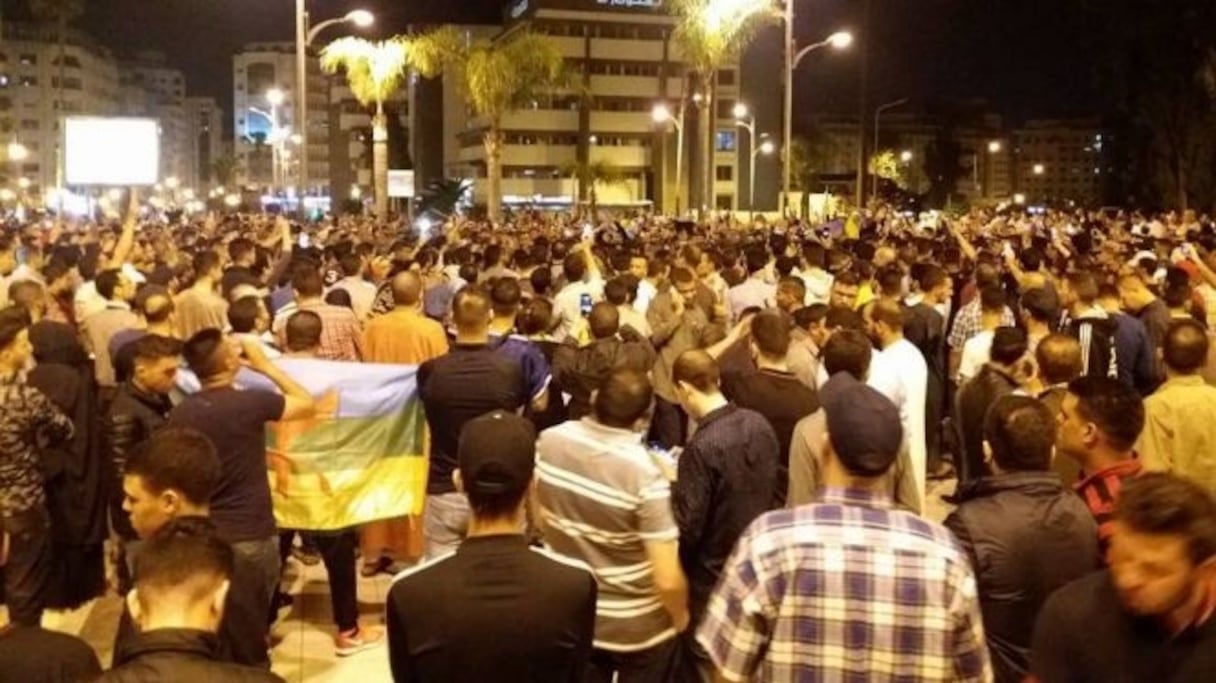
(1019, 199)
(17, 151)
(361, 18)
(356, 192)
(767, 147)
(232, 201)
(740, 111)
(660, 113)
(172, 182)
(905, 156)
(593, 139)
(720, 14)
(7, 195)
(275, 96)
(297, 139)
(994, 147)
(840, 40)
(114, 152)
(23, 183)
(188, 194)
(114, 194)
(1039, 169)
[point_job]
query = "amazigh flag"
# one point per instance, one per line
(362, 457)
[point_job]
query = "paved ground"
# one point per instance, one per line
(304, 649)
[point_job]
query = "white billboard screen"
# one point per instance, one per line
(111, 151)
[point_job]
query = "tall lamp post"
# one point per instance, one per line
(765, 147)
(662, 115)
(304, 37)
(274, 96)
(839, 41)
(747, 121)
(877, 121)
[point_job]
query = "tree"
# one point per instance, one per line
(224, 169)
(1157, 73)
(886, 165)
(61, 13)
(374, 73)
(942, 168)
(588, 176)
(499, 77)
(711, 34)
(810, 156)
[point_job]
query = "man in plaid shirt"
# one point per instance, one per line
(848, 589)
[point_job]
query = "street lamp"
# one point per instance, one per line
(361, 18)
(1039, 169)
(994, 147)
(877, 121)
(905, 156)
(766, 147)
(839, 40)
(17, 151)
(747, 121)
(662, 115)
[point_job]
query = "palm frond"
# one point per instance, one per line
(374, 70)
(711, 33)
(430, 53)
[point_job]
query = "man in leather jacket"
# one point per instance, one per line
(579, 371)
(139, 408)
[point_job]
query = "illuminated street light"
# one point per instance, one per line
(232, 201)
(1019, 199)
(23, 183)
(994, 147)
(662, 115)
(1039, 169)
(839, 40)
(275, 97)
(767, 147)
(740, 111)
(356, 192)
(905, 156)
(172, 182)
(360, 17)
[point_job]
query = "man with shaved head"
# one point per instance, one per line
(403, 336)
(1180, 417)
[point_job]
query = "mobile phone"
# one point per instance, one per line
(584, 304)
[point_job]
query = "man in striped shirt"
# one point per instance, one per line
(604, 500)
(1099, 422)
(848, 589)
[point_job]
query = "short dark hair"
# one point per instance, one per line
(303, 331)
(888, 313)
(505, 296)
(25, 293)
(306, 280)
(848, 351)
(810, 315)
(697, 368)
(176, 458)
(1160, 503)
(574, 267)
(13, 319)
(203, 353)
(616, 291)
(756, 259)
(891, 280)
(604, 320)
(1059, 358)
(241, 247)
(535, 317)
(243, 314)
(1021, 432)
(794, 285)
(1185, 348)
(187, 554)
(204, 262)
(623, 399)
(843, 318)
(350, 264)
(1083, 284)
(1009, 344)
(1037, 302)
(107, 281)
(931, 276)
(992, 299)
(771, 333)
(156, 347)
(1116, 408)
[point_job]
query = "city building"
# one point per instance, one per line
(30, 104)
(628, 63)
(205, 132)
(1059, 160)
(150, 87)
(257, 70)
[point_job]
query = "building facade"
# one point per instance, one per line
(205, 132)
(150, 87)
(1059, 160)
(32, 105)
(624, 57)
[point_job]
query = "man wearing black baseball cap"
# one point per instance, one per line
(830, 566)
(494, 609)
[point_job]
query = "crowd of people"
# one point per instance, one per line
(658, 449)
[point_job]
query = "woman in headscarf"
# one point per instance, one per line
(73, 471)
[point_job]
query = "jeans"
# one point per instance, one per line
(337, 552)
(445, 522)
(245, 626)
(653, 665)
(27, 575)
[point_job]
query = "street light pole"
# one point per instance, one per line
(662, 115)
(747, 121)
(302, 95)
(877, 120)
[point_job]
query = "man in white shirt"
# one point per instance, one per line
(754, 292)
(899, 372)
(978, 349)
(585, 288)
(818, 281)
(639, 267)
(362, 293)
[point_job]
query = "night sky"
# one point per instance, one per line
(1024, 56)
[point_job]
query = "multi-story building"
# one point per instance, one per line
(1059, 160)
(205, 132)
(627, 62)
(257, 70)
(31, 105)
(150, 87)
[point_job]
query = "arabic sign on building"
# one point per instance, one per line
(521, 8)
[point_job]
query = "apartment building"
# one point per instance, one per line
(31, 108)
(150, 87)
(1059, 160)
(205, 132)
(624, 55)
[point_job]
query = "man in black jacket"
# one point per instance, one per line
(182, 575)
(579, 371)
(1001, 375)
(1025, 533)
(140, 407)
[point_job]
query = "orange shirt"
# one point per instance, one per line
(403, 337)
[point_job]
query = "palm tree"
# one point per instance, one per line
(711, 34)
(224, 169)
(499, 77)
(374, 73)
